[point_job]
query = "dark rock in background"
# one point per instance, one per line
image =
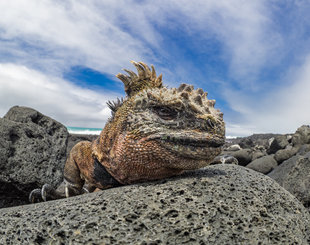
(278, 143)
(244, 156)
(284, 154)
(246, 143)
(258, 152)
(302, 150)
(33, 150)
(302, 136)
(294, 176)
(264, 164)
(256, 139)
(221, 204)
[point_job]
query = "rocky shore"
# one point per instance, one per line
(284, 158)
(259, 196)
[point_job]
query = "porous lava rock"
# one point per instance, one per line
(294, 175)
(221, 204)
(264, 164)
(258, 152)
(246, 143)
(32, 152)
(244, 156)
(304, 149)
(284, 154)
(278, 143)
(302, 135)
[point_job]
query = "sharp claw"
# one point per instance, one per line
(72, 189)
(47, 192)
(43, 192)
(35, 195)
(67, 191)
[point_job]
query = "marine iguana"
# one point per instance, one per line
(154, 133)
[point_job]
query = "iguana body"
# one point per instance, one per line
(154, 133)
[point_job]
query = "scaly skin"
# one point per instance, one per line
(154, 133)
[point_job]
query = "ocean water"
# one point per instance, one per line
(79, 130)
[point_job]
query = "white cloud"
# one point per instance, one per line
(66, 33)
(105, 35)
(241, 26)
(43, 39)
(57, 98)
(279, 111)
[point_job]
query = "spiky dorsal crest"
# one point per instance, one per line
(114, 105)
(146, 78)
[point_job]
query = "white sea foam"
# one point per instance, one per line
(79, 130)
(231, 137)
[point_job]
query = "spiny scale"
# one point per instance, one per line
(114, 105)
(198, 96)
(146, 78)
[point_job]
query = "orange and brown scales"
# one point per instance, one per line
(80, 167)
(154, 133)
(133, 160)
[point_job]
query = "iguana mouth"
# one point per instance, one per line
(195, 140)
(192, 146)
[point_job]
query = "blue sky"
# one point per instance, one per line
(253, 57)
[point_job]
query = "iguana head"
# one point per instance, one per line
(182, 121)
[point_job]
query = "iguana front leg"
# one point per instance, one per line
(77, 176)
(82, 174)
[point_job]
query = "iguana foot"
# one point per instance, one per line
(48, 193)
(35, 196)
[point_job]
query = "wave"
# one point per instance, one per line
(79, 130)
(232, 137)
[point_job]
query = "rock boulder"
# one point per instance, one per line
(302, 135)
(264, 164)
(294, 175)
(221, 204)
(244, 156)
(278, 143)
(32, 152)
(284, 154)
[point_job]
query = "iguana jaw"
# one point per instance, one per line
(190, 145)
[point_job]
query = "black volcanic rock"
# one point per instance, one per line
(244, 156)
(253, 140)
(284, 154)
(301, 136)
(246, 143)
(32, 152)
(278, 143)
(221, 204)
(263, 164)
(293, 174)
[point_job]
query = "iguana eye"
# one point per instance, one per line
(165, 113)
